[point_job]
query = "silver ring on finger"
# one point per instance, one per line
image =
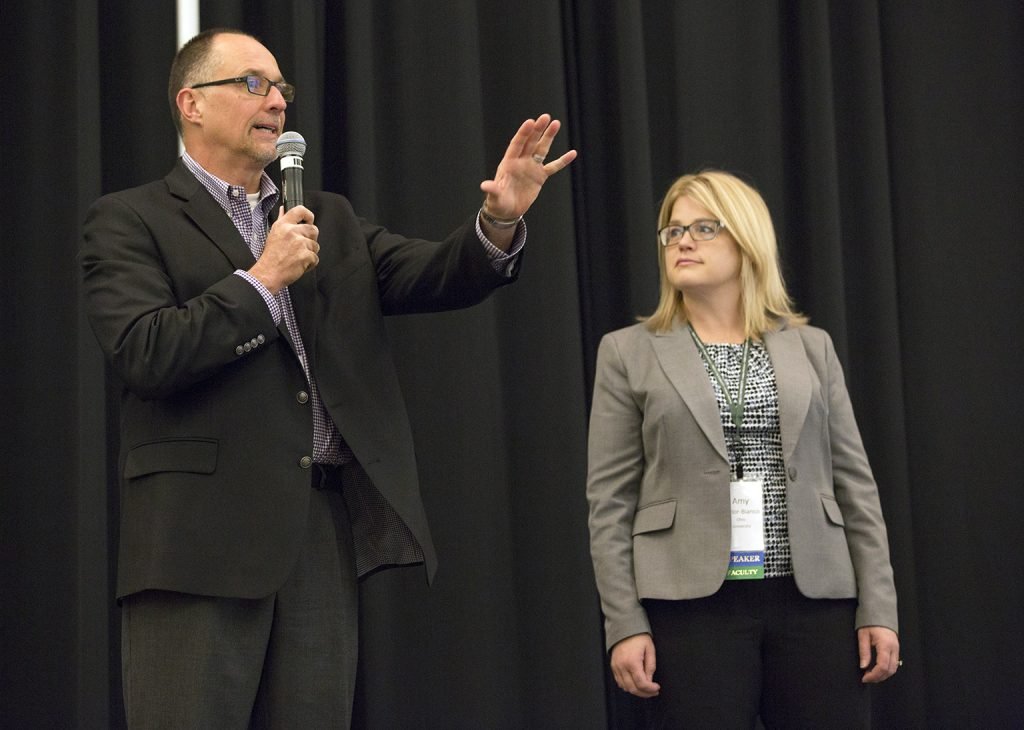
(539, 159)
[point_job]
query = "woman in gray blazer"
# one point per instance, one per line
(735, 523)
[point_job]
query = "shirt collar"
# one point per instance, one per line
(222, 191)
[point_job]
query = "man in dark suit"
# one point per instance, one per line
(266, 453)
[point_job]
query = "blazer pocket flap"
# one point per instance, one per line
(198, 456)
(832, 511)
(658, 516)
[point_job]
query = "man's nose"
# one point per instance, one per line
(276, 98)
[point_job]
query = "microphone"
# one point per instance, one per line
(290, 149)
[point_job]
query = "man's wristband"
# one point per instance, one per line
(499, 222)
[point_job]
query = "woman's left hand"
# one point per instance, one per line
(886, 646)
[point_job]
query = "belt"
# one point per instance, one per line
(326, 477)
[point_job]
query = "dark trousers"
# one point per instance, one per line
(757, 648)
(284, 661)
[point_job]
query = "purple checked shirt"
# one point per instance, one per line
(252, 224)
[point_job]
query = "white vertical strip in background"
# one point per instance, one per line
(188, 26)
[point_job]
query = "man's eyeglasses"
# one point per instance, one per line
(702, 230)
(259, 85)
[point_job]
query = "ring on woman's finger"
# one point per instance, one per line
(899, 663)
(539, 159)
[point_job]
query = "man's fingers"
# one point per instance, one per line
(538, 129)
(298, 214)
(560, 164)
(546, 139)
(530, 135)
(520, 139)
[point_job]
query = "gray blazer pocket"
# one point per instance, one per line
(197, 456)
(832, 511)
(653, 517)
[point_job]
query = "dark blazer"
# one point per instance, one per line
(216, 423)
(658, 482)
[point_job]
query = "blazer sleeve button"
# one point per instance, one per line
(306, 461)
(261, 339)
(302, 396)
(239, 350)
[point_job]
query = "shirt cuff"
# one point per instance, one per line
(272, 304)
(503, 262)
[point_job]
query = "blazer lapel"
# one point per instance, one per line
(304, 303)
(793, 381)
(681, 363)
(302, 292)
(209, 217)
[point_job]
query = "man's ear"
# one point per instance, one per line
(189, 106)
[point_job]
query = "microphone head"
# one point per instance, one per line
(291, 143)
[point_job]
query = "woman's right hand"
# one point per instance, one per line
(633, 665)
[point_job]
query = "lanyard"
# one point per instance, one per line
(735, 406)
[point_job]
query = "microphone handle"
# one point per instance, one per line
(291, 179)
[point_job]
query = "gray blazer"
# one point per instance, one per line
(658, 481)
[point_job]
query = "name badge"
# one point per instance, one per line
(746, 548)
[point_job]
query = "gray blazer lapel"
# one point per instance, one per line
(793, 381)
(681, 363)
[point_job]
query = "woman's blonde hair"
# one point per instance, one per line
(766, 305)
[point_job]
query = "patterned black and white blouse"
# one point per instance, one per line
(760, 441)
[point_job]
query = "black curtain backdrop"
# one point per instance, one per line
(886, 138)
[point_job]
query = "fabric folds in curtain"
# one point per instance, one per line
(885, 138)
